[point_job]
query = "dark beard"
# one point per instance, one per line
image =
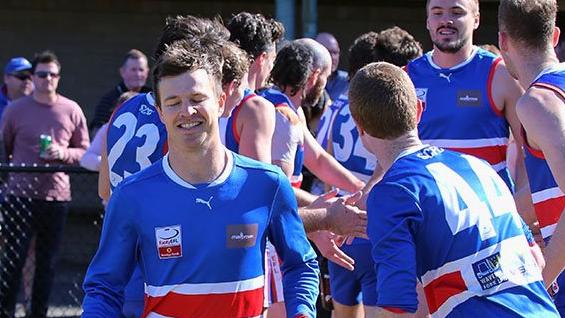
(450, 47)
(313, 96)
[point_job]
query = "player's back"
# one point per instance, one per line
(473, 257)
(548, 199)
(347, 147)
(326, 120)
(136, 138)
(228, 126)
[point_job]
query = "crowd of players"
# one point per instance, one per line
(200, 222)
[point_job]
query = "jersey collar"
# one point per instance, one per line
(460, 65)
(553, 68)
(409, 151)
(219, 180)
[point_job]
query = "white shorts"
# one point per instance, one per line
(273, 277)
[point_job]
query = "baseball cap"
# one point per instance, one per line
(17, 64)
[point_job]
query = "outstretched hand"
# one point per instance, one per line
(328, 244)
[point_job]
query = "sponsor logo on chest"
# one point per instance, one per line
(241, 235)
(469, 98)
(169, 241)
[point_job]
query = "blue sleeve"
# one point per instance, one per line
(527, 232)
(393, 216)
(111, 267)
(299, 265)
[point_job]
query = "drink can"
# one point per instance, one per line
(44, 143)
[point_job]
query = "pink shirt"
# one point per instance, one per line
(23, 122)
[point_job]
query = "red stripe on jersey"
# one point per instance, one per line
(489, 87)
(535, 152)
(553, 88)
(236, 113)
(439, 290)
(237, 305)
(492, 154)
(549, 211)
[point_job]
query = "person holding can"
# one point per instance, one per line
(43, 128)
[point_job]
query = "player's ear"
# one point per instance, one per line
(503, 41)
(556, 34)
(419, 110)
(314, 77)
(477, 20)
(261, 58)
(221, 103)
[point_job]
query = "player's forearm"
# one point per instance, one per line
(301, 289)
(303, 198)
(555, 253)
(72, 155)
(327, 169)
(522, 196)
(313, 219)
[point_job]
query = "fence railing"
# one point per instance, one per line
(28, 235)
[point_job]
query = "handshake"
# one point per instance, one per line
(332, 221)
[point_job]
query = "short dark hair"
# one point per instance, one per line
(382, 100)
(44, 58)
(397, 46)
(362, 52)
(133, 54)
(529, 22)
(236, 63)
(185, 56)
(187, 27)
(293, 66)
(393, 45)
(254, 33)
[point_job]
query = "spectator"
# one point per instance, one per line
(38, 203)
(134, 71)
(337, 82)
(17, 81)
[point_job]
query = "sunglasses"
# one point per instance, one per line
(22, 77)
(44, 74)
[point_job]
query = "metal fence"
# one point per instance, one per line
(23, 236)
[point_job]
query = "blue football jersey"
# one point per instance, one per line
(228, 126)
(449, 220)
(459, 111)
(347, 147)
(326, 120)
(136, 138)
(202, 247)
